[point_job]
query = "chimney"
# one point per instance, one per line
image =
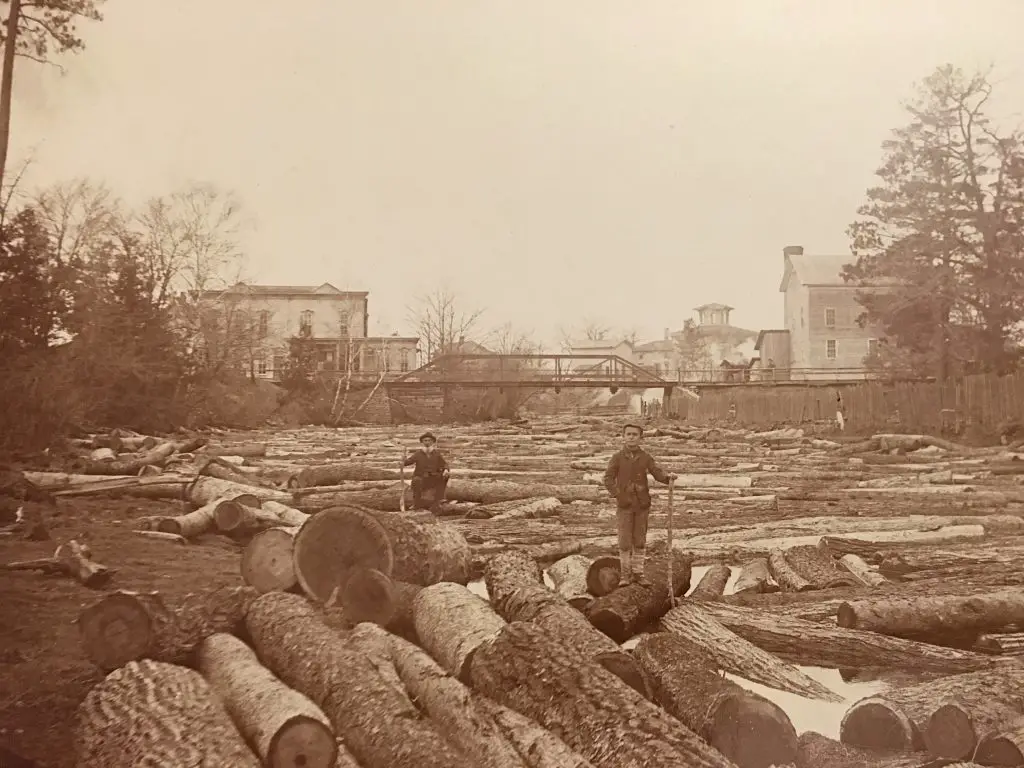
(666, 334)
(462, 340)
(793, 250)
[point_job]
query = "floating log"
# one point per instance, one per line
(712, 584)
(785, 575)
(812, 644)
(530, 671)
(369, 711)
(817, 751)
(451, 623)
(745, 727)
(331, 543)
(861, 571)
(692, 621)
(933, 618)
(426, 552)
(569, 575)
(126, 626)
(603, 575)
(815, 564)
(152, 713)
(755, 578)
(285, 727)
(517, 593)
(267, 561)
(627, 610)
(1003, 747)
(896, 719)
(958, 725)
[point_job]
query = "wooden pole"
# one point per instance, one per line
(401, 501)
(671, 507)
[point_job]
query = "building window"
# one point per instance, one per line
(830, 349)
(264, 323)
(261, 366)
(403, 360)
(279, 364)
(830, 317)
(306, 323)
(872, 347)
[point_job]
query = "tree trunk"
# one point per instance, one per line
(861, 571)
(812, 644)
(630, 609)
(426, 552)
(785, 575)
(198, 521)
(935, 618)
(712, 584)
(608, 723)
(204, 490)
(755, 578)
(817, 751)
(1004, 747)
(733, 654)
(126, 626)
(285, 727)
(267, 561)
(745, 727)
(451, 623)
(539, 747)
(152, 713)
(7, 85)
(368, 595)
(603, 575)
(374, 717)
(957, 726)
(816, 566)
(896, 719)
(331, 543)
(514, 584)
(570, 579)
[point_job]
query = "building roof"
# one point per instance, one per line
(470, 347)
(324, 289)
(714, 307)
(762, 334)
(661, 345)
(598, 343)
(815, 270)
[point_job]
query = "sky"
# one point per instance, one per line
(549, 163)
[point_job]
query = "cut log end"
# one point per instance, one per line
(737, 716)
(115, 630)
(368, 595)
(950, 733)
(625, 667)
(303, 742)
(1000, 750)
(267, 562)
(875, 725)
(603, 576)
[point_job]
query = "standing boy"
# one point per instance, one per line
(626, 480)
(430, 475)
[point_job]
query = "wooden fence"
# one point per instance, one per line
(983, 402)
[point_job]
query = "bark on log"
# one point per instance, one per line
(285, 727)
(896, 719)
(817, 751)
(956, 728)
(267, 561)
(861, 571)
(1005, 747)
(539, 747)
(514, 584)
(788, 579)
(935, 618)
(451, 623)
(540, 508)
(552, 551)
(755, 578)
(402, 622)
(815, 564)
(203, 490)
(810, 643)
(712, 584)
(333, 542)
(152, 713)
(126, 626)
(603, 575)
(337, 474)
(630, 609)
(288, 515)
(691, 621)
(745, 727)
(426, 552)
(569, 575)
(238, 520)
(201, 520)
(528, 670)
(372, 715)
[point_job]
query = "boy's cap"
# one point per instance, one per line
(428, 436)
(633, 426)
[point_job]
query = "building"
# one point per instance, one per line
(713, 341)
(821, 311)
(251, 326)
(660, 357)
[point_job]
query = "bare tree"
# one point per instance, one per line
(588, 330)
(693, 351)
(441, 323)
(80, 216)
(507, 340)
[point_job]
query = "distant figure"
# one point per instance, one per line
(430, 477)
(840, 418)
(770, 368)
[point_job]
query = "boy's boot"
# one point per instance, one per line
(625, 568)
(639, 561)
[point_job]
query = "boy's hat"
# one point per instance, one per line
(632, 426)
(428, 436)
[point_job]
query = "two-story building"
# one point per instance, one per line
(822, 337)
(252, 325)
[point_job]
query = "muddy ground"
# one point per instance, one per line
(44, 674)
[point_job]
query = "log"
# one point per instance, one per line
(367, 595)
(426, 552)
(337, 474)
(540, 508)
(117, 466)
(267, 561)
(373, 716)
(608, 723)
(931, 618)
(161, 536)
(1012, 643)
(477, 491)
(539, 747)
(285, 727)
(451, 623)
(552, 551)
(517, 593)
(956, 728)
(248, 450)
(783, 573)
(152, 713)
(817, 751)
(333, 542)
(403, 621)
(203, 490)
(126, 626)
(73, 560)
(896, 719)
(813, 644)
(198, 521)
(288, 515)
(603, 575)
(815, 565)
(861, 571)
(238, 520)
(691, 621)
(755, 578)
(712, 584)
(632, 608)
(569, 576)
(1004, 747)
(747, 728)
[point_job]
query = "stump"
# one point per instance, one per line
(285, 727)
(745, 727)
(569, 576)
(712, 584)
(267, 561)
(126, 626)
(451, 623)
(152, 713)
(755, 578)
(603, 575)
